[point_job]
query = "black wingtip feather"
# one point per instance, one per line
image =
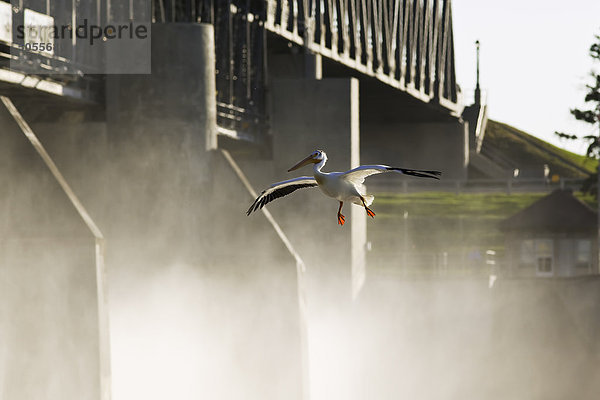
(418, 172)
(262, 200)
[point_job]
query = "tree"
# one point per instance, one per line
(590, 115)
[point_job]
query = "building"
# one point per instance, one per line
(554, 237)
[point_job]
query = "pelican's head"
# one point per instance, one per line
(314, 158)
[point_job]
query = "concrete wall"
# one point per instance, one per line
(424, 145)
(48, 305)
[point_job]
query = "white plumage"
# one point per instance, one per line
(342, 186)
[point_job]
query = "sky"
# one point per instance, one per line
(534, 61)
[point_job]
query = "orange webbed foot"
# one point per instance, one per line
(341, 219)
(370, 212)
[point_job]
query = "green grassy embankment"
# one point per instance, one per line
(444, 222)
(527, 151)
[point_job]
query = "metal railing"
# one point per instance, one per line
(508, 186)
(433, 264)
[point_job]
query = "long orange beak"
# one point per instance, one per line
(302, 163)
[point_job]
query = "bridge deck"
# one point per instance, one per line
(406, 45)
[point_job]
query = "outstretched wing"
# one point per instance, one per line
(281, 189)
(358, 175)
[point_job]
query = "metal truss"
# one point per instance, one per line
(240, 63)
(407, 44)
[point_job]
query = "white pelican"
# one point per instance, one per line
(342, 186)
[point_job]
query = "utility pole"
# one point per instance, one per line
(477, 89)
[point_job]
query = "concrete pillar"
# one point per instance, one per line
(308, 115)
(295, 64)
(160, 127)
(313, 65)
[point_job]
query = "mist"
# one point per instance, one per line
(208, 306)
(205, 302)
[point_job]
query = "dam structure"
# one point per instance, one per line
(132, 144)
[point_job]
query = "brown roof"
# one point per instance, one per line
(560, 211)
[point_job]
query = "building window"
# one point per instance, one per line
(537, 255)
(544, 254)
(527, 254)
(544, 264)
(583, 255)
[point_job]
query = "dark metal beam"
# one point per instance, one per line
(406, 44)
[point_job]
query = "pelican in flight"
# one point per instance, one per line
(343, 186)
